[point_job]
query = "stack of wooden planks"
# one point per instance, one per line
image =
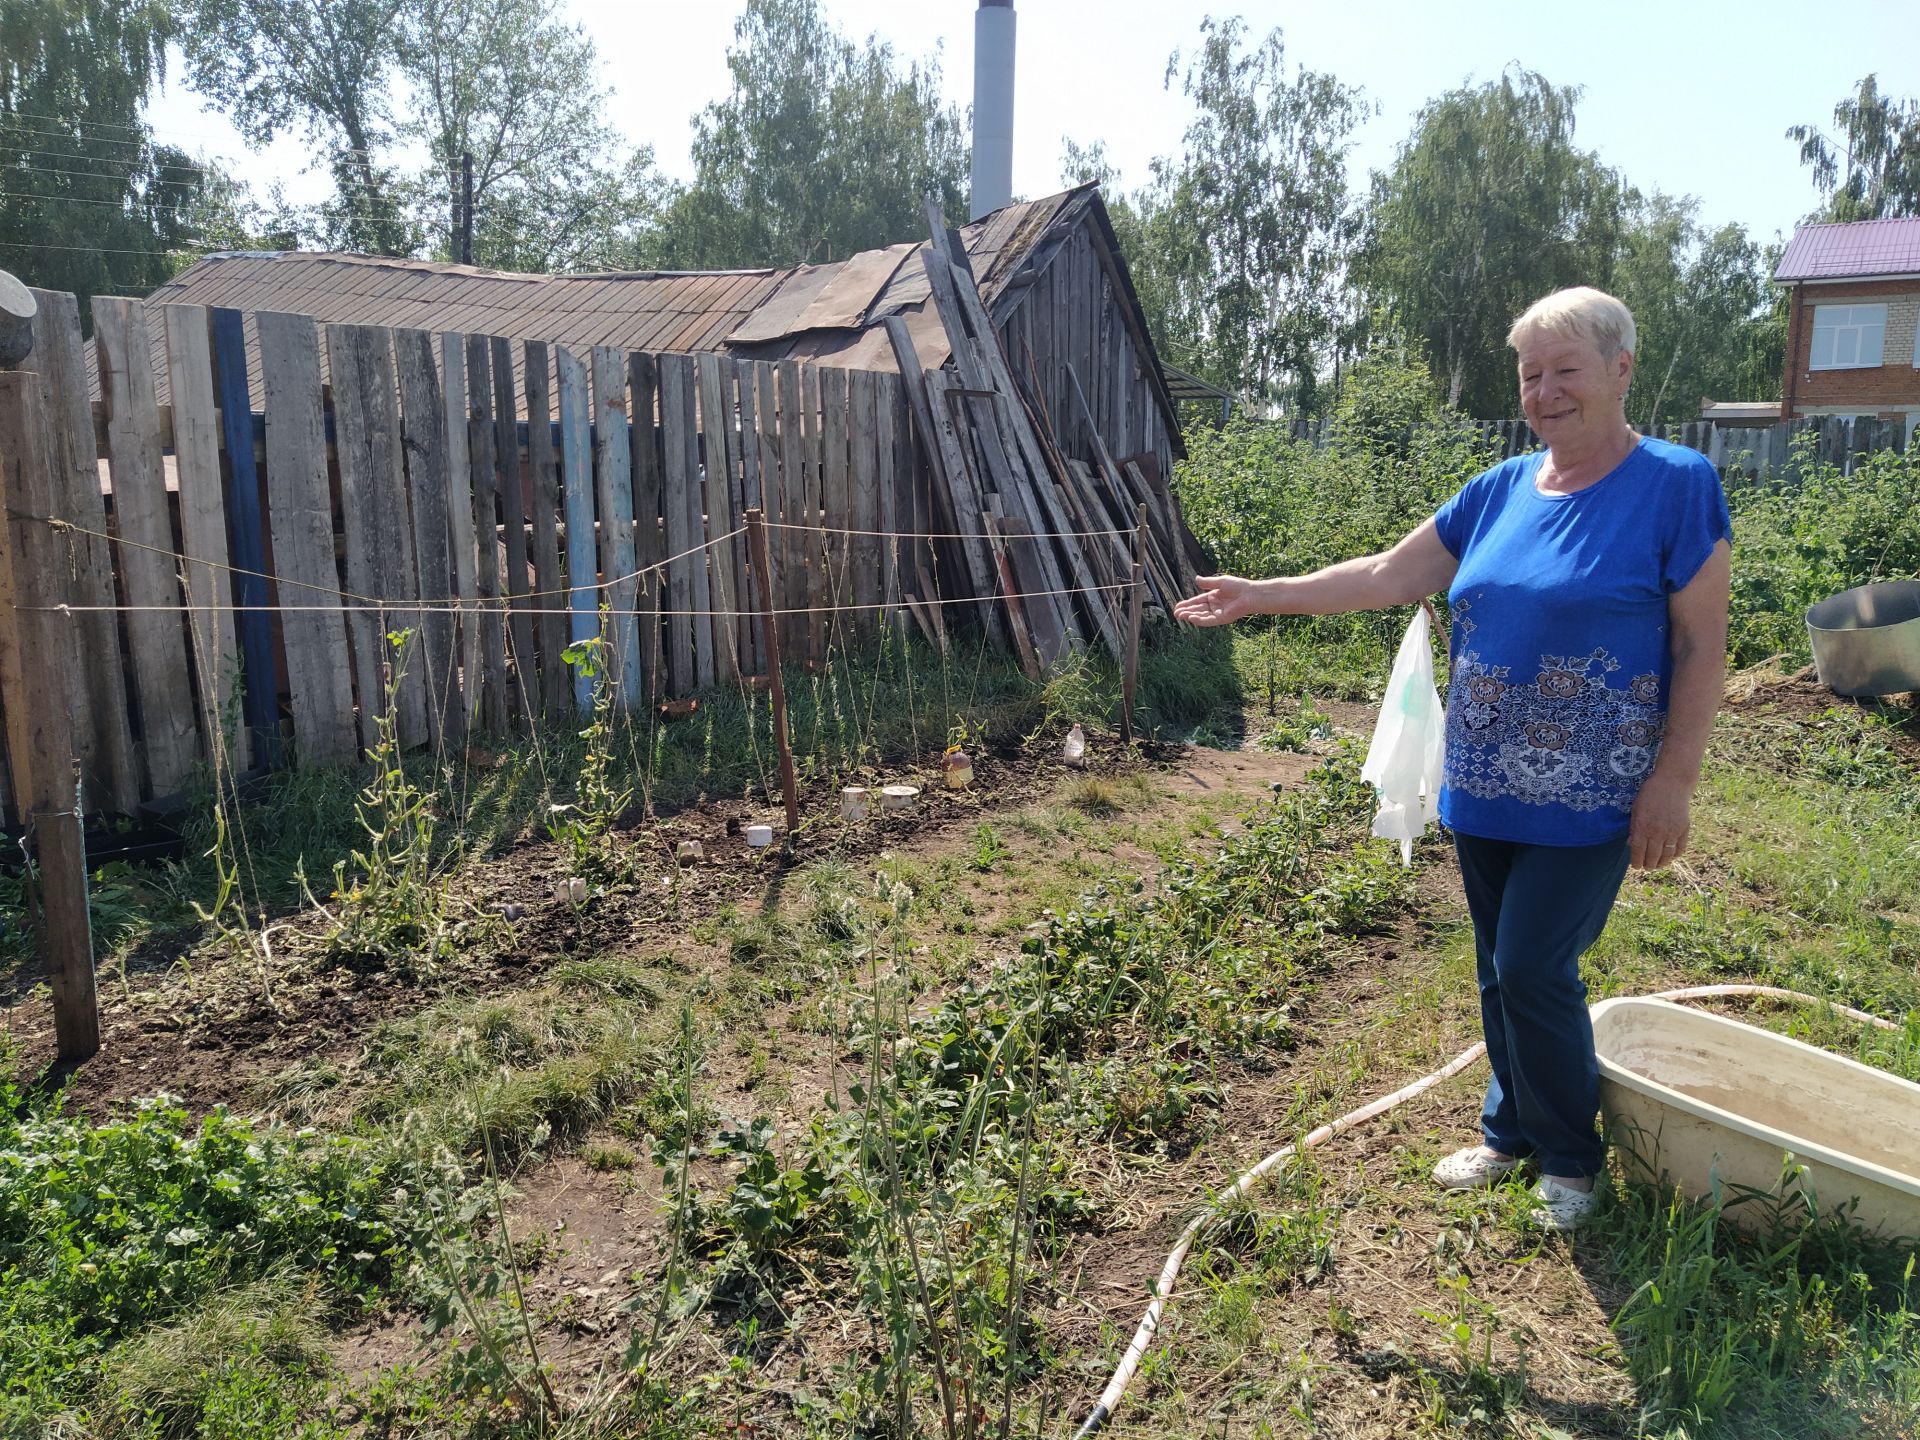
(1044, 543)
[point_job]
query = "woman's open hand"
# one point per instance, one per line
(1222, 600)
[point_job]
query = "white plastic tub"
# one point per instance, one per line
(1690, 1096)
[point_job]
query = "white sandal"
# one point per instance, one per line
(1473, 1168)
(1561, 1207)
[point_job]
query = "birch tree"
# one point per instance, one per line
(1488, 206)
(1240, 239)
(1870, 168)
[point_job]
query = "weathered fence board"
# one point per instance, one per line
(33, 677)
(719, 485)
(693, 533)
(423, 431)
(793, 508)
(112, 763)
(482, 466)
(513, 513)
(347, 360)
(203, 530)
(766, 409)
(378, 529)
(888, 440)
(155, 634)
(312, 629)
(543, 495)
(461, 541)
(812, 501)
(751, 496)
(863, 494)
(649, 544)
(613, 486)
(677, 478)
(836, 497)
(576, 485)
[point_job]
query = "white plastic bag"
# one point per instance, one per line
(1409, 743)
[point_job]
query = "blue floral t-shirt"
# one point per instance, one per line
(1558, 696)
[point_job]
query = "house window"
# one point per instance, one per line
(1848, 337)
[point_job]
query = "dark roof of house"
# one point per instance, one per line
(1858, 250)
(819, 312)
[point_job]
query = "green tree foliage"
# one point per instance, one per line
(87, 202)
(1237, 245)
(507, 81)
(323, 66)
(1703, 307)
(1871, 169)
(1487, 207)
(822, 148)
(1387, 397)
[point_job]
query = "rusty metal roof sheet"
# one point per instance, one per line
(815, 312)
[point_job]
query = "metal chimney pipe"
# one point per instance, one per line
(993, 25)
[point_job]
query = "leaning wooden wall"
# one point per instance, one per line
(226, 572)
(1068, 339)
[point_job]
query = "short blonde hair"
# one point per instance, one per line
(1579, 313)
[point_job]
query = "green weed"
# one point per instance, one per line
(1803, 1325)
(393, 910)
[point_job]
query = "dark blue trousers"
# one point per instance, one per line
(1536, 909)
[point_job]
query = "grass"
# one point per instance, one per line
(983, 1142)
(258, 1351)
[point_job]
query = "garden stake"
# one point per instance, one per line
(40, 742)
(1131, 676)
(757, 538)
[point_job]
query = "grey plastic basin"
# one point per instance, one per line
(1866, 641)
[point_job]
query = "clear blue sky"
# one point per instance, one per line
(1684, 97)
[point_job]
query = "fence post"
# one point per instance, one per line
(763, 577)
(1131, 675)
(40, 739)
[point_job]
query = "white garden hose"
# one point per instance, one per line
(1163, 1287)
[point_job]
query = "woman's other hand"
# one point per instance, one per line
(1658, 835)
(1222, 600)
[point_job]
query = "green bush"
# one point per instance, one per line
(1264, 504)
(1811, 533)
(106, 1230)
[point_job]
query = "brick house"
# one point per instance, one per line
(1853, 333)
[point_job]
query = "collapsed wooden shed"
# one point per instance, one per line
(1068, 435)
(322, 450)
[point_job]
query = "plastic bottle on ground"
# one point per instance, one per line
(1074, 752)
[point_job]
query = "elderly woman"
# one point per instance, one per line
(1589, 590)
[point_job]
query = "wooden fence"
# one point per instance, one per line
(1840, 440)
(232, 566)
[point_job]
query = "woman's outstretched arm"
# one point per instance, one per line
(1417, 567)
